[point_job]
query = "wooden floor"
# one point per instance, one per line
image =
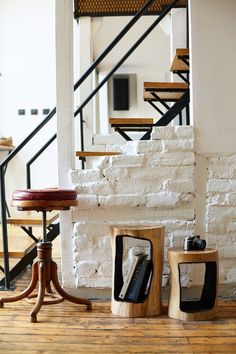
(67, 327)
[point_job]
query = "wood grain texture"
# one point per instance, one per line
(96, 153)
(47, 205)
(178, 64)
(136, 121)
(176, 257)
(70, 328)
(31, 218)
(152, 304)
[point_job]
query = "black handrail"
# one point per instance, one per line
(4, 163)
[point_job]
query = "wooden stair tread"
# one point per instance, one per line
(31, 218)
(19, 244)
(165, 86)
(96, 153)
(130, 121)
(165, 96)
(178, 64)
(167, 91)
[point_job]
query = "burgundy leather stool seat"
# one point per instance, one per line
(44, 194)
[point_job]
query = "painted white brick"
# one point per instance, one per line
(231, 226)
(87, 267)
(121, 200)
(159, 174)
(162, 200)
(177, 145)
(167, 132)
(85, 176)
(103, 187)
(148, 146)
(221, 186)
(105, 269)
(127, 160)
(87, 201)
(184, 132)
(182, 186)
(172, 159)
(231, 199)
(114, 174)
(91, 228)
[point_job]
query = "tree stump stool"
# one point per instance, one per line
(151, 304)
(44, 270)
(205, 307)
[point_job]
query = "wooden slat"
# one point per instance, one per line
(170, 86)
(31, 218)
(127, 121)
(19, 243)
(167, 91)
(96, 153)
(178, 64)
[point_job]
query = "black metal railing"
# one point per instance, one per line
(79, 110)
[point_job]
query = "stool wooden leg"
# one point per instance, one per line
(27, 291)
(41, 291)
(64, 294)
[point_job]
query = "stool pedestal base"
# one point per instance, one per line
(44, 272)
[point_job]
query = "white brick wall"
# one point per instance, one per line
(151, 183)
(221, 213)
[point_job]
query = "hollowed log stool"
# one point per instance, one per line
(205, 307)
(44, 270)
(150, 305)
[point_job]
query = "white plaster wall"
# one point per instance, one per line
(27, 66)
(213, 57)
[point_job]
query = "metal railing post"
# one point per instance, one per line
(4, 229)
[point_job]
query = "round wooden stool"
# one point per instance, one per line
(150, 304)
(44, 270)
(205, 307)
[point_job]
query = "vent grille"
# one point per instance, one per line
(121, 7)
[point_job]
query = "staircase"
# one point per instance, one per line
(154, 93)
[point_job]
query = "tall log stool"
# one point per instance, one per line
(205, 307)
(150, 305)
(44, 270)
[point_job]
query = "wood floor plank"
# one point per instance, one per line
(69, 328)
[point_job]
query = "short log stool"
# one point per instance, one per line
(205, 307)
(152, 305)
(44, 270)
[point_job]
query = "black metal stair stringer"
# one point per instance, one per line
(170, 114)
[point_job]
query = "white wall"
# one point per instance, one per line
(27, 65)
(213, 57)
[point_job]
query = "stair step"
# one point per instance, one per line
(178, 65)
(166, 91)
(31, 218)
(19, 244)
(96, 153)
(125, 122)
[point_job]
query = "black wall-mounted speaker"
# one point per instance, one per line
(120, 93)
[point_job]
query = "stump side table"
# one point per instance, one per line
(44, 270)
(152, 305)
(205, 307)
